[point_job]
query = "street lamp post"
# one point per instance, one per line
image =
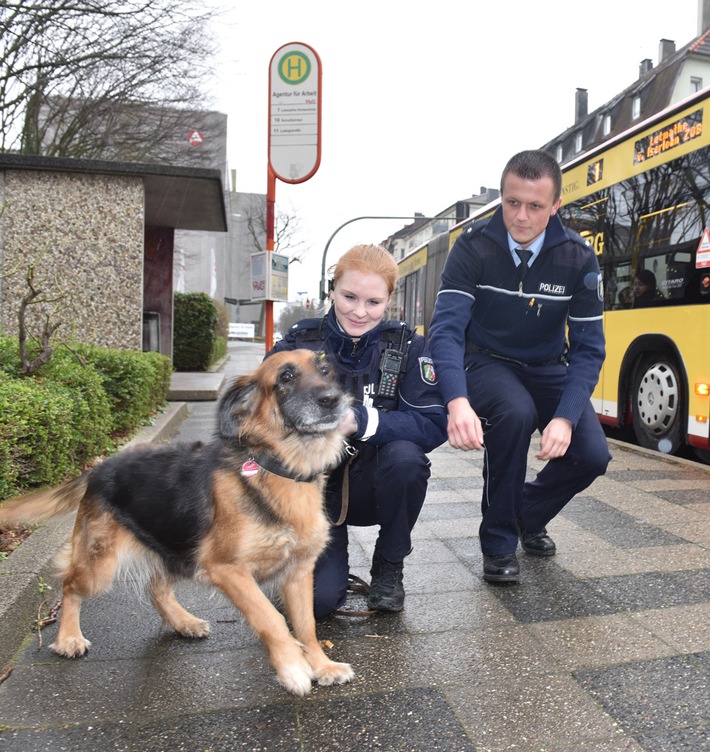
(323, 285)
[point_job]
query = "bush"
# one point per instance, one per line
(222, 319)
(220, 349)
(9, 356)
(195, 322)
(91, 420)
(135, 382)
(162, 370)
(53, 422)
(222, 339)
(35, 436)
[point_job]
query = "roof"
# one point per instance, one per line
(419, 221)
(655, 87)
(701, 45)
(184, 198)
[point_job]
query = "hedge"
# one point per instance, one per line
(35, 436)
(196, 325)
(136, 382)
(55, 421)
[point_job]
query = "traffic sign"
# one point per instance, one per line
(294, 112)
(195, 138)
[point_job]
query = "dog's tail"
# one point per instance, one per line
(39, 505)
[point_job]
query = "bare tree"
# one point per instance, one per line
(50, 301)
(286, 229)
(71, 72)
(37, 295)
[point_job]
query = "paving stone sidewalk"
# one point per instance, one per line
(605, 647)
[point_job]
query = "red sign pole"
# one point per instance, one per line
(270, 223)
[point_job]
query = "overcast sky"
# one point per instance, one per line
(423, 103)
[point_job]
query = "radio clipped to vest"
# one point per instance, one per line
(390, 368)
(392, 363)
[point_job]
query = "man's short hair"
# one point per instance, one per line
(533, 165)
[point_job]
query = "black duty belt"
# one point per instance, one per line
(471, 348)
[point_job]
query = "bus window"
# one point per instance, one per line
(652, 224)
(678, 275)
(621, 280)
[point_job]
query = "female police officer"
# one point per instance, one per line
(397, 417)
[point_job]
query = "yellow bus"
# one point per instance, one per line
(642, 200)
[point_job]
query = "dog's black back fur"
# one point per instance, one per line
(161, 495)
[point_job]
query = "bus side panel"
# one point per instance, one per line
(641, 202)
(438, 251)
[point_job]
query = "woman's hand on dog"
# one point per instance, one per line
(348, 425)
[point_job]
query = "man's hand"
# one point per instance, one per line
(555, 439)
(464, 427)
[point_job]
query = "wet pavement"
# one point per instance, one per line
(605, 647)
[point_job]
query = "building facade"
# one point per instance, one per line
(212, 262)
(97, 239)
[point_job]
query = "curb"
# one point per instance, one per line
(28, 573)
(165, 427)
(184, 387)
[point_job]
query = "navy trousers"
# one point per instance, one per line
(387, 488)
(513, 400)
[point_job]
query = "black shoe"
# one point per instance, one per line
(537, 544)
(501, 568)
(386, 589)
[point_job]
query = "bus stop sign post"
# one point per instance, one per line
(295, 77)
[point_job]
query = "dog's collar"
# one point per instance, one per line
(277, 468)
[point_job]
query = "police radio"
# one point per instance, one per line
(390, 367)
(392, 363)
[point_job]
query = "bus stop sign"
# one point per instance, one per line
(294, 112)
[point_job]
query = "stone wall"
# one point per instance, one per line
(85, 235)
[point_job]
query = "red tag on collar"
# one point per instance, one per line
(249, 468)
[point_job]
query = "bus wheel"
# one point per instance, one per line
(656, 404)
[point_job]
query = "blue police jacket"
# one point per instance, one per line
(554, 315)
(417, 414)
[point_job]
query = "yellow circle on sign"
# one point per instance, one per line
(294, 68)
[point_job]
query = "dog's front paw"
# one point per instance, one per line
(196, 628)
(296, 678)
(71, 647)
(335, 673)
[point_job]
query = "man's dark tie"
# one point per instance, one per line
(524, 255)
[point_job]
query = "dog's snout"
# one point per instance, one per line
(329, 399)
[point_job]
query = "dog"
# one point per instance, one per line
(241, 511)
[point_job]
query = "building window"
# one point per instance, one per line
(606, 124)
(636, 107)
(696, 83)
(578, 142)
(558, 153)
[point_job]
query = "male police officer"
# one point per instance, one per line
(513, 286)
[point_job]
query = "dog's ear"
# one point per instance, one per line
(237, 402)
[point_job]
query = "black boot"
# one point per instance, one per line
(386, 590)
(537, 544)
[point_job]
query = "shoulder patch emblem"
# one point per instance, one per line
(426, 370)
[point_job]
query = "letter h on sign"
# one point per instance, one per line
(295, 66)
